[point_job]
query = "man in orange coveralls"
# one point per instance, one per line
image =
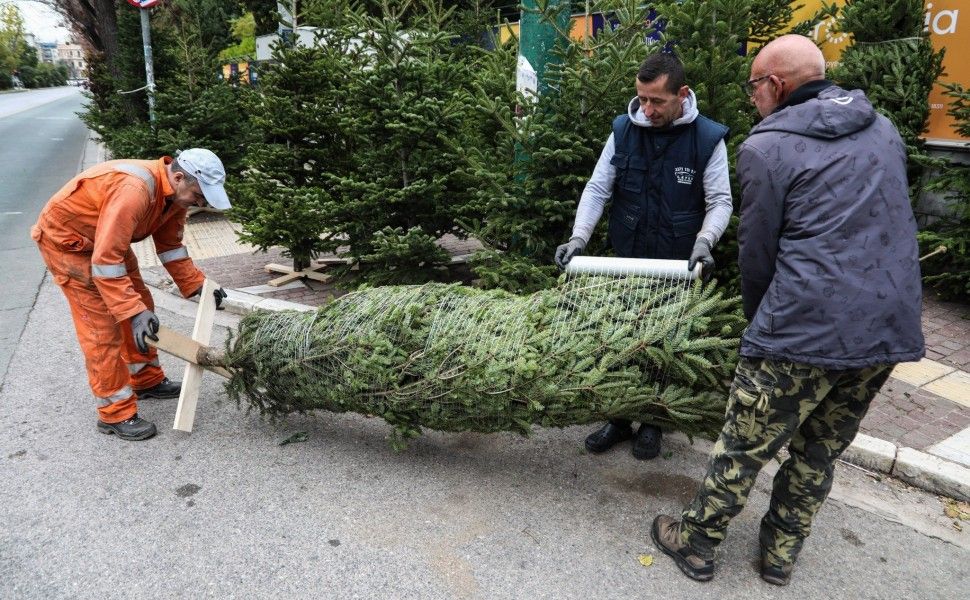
(85, 234)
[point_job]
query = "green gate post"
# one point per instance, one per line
(537, 37)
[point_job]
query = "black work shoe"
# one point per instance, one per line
(775, 574)
(646, 444)
(608, 436)
(666, 535)
(166, 388)
(133, 429)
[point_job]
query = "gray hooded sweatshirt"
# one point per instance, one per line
(599, 188)
(829, 262)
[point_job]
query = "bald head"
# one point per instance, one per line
(794, 58)
(780, 68)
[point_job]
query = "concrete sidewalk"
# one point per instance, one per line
(917, 429)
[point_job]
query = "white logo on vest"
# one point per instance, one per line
(684, 175)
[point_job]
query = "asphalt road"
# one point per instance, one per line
(227, 512)
(41, 140)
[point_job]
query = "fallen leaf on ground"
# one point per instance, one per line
(956, 510)
(645, 559)
(299, 436)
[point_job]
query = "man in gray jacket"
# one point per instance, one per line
(831, 286)
(664, 168)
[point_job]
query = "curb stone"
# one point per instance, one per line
(919, 469)
(932, 473)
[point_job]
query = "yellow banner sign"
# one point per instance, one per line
(942, 21)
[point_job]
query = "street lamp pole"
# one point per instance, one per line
(146, 38)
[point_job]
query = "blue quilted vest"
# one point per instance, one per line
(658, 196)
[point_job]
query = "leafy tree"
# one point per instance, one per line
(193, 106)
(244, 31)
(13, 44)
(264, 13)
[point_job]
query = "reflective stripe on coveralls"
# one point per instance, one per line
(176, 254)
(108, 271)
(135, 367)
(141, 173)
(122, 394)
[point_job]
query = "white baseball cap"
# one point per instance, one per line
(205, 166)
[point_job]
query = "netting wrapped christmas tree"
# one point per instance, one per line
(454, 358)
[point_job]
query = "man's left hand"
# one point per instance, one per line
(702, 254)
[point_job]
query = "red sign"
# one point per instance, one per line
(143, 3)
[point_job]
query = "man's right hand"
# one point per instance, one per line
(566, 252)
(144, 324)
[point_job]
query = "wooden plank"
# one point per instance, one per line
(310, 272)
(201, 333)
(277, 268)
(322, 278)
(184, 347)
(285, 279)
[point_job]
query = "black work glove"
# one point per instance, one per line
(566, 252)
(702, 253)
(219, 295)
(144, 324)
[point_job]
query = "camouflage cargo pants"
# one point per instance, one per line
(770, 404)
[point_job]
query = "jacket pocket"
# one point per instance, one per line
(58, 232)
(75, 242)
(684, 227)
(630, 173)
(686, 223)
(624, 217)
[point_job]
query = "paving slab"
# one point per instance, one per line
(955, 448)
(922, 372)
(953, 386)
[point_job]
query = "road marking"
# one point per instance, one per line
(54, 118)
(10, 212)
(57, 139)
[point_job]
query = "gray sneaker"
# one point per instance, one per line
(134, 429)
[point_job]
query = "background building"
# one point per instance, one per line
(71, 55)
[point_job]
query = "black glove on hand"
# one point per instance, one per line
(566, 252)
(702, 254)
(219, 295)
(144, 324)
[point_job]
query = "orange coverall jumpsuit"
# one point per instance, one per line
(85, 234)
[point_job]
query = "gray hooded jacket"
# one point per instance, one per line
(829, 262)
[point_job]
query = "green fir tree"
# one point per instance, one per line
(301, 148)
(404, 114)
(949, 272)
(892, 59)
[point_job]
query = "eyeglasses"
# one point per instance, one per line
(751, 84)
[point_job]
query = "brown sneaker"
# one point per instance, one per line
(774, 574)
(666, 535)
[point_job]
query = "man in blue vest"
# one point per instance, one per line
(665, 168)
